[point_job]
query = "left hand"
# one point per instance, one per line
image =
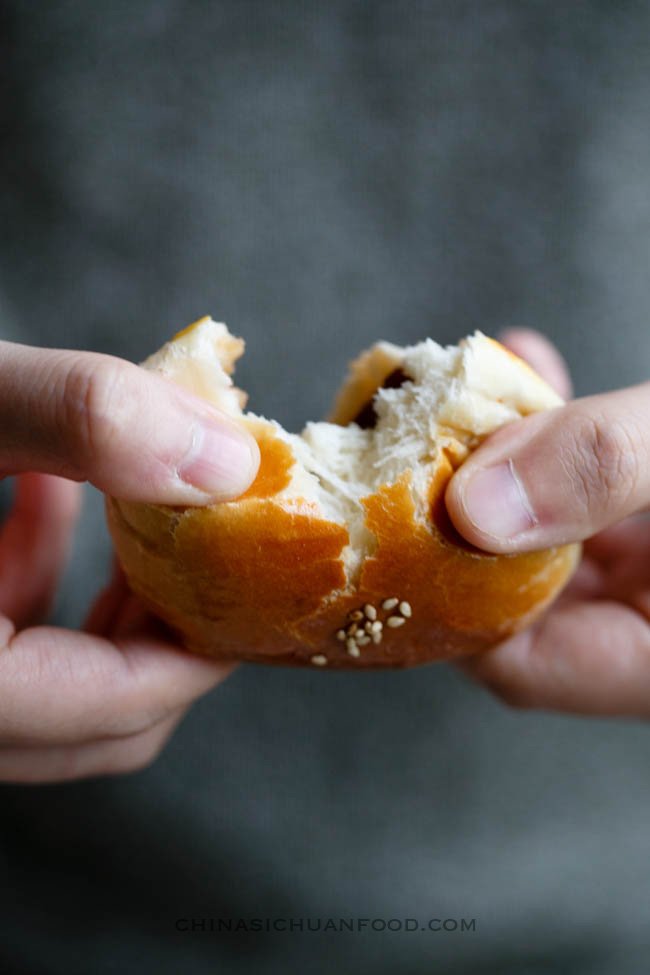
(75, 704)
(106, 699)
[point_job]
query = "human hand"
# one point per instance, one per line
(574, 473)
(103, 700)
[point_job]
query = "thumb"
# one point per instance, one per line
(556, 477)
(130, 433)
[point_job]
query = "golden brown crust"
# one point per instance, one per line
(276, 461)
(366, 374)
(262, 579)
(229, 347)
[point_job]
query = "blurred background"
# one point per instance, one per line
(320, 176)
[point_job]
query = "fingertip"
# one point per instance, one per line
(455, 505)
(485, 508)
(222, 462)
(105, 609)
(168, 674)
(156, 655)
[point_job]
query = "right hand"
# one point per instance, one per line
(581, 471)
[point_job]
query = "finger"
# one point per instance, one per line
(34, 544)
(588, 581)
(118, 614)
(109, 756)
(556, 477)
(105, 609)
(586, 658)
(620, 542)
(541, 355)
(131, 433)
(63, 687)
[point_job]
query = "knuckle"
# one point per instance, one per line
(94, 397)
(603, 463)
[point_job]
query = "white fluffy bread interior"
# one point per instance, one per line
(454, 398)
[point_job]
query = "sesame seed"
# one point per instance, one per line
(389, 604)
(377, 626)
(351, 646)
(363, 640)
(370, 612)
(405, 609)
(368, 626)
(376, 637)
(340, 635)
(395, 621)
(319, 659)
(352, 629)
(355, 615)
(354, 650)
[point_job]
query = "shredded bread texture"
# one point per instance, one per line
(452, 398)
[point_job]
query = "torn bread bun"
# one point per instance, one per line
(341, 553)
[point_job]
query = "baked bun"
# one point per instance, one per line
(341, 553)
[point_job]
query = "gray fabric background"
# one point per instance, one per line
(318, 176)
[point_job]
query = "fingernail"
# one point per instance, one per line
(496, 503)
(221, 462)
